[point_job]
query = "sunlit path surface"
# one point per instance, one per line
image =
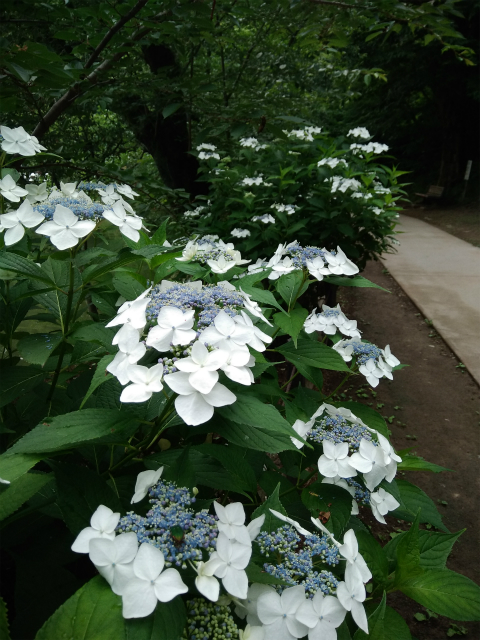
(441, 274)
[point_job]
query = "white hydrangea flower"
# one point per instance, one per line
(10, 190)
(129, 226)
(339, 264)
(66, 229)
(381, 503)
(359, 132)
(36, 192)
(15, 222)
(102, 525)
(145, 480)
(240, 233)
(145, 382)
(266, 219)
(335, 461)
(17, 140)
(229, 562)
(174, 326)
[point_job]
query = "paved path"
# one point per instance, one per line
(441, 274)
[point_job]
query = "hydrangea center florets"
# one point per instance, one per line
(82, 208)
(298, 560)
(364, 351)
(173, 526)
(299, 255)
(338, 429)
(207, 301)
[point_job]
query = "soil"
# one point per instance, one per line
(461, 221)
(432, 406)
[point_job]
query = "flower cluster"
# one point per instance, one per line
(68, 214)
(304, 134)
(252, 143)
(205, 327)
(349, 446)
(207, 151)
(318, 262)
(359, 132)
(371, 147)
(296, 559)
(173, 526)
(374, 363)
(329, 321)
(218, 255)
(331, 162)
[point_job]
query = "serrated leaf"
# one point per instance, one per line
(14, 466)
(38, 347)
(251, 411)
(96, 332)
(255, 438)
(414, 499)
(408, 555)
(89, 426)
(356, 281)
(376, 624)
(94, 612)
(291, 286)
(99, 377)
(233, 459)
(14, 262)
(127, 285)
(271, 523)
(329, 499)
(167, 622)
(415, 463)
(434, 547)
(293, 323)
(445, 592)
(260, 295)
(171, 108)
(313, 354)
(94, 272)
(80, 491)
(21, 490)
(15, 381)
(4, 628)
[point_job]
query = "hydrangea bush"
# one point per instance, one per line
(202, 488)
(306, 185)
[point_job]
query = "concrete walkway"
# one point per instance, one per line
(441, 274)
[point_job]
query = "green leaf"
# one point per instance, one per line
(414, 499)
(260, 295)
(371, 417)
(38, 347)
(332, 501)
(272, 523)
(343, 632)
(94, 272)
(356, 281)
(376, 624)
(255, 438)
(313, 354)
(395, 627)
(21, 490)
(14, 262)
(416, 463)
(233, 459)
(445, 592)
(4, 630)
(96, 332)
(160, 234)
(183, 473)
(99, 377)
(192, 269)
(57, 301)
(374, 556)
(80, 492)
(89, 426)
(408, 555)
(15, 381)
(291, 286)
(434, 547)
(251, 411)
(171, 108)
(14, 466)
(128, 285)
(293, 323)
(94, 612)
(167, 622)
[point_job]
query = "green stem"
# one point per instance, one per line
(288, 381)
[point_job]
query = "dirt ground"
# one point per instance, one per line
(461, 221)
(432, 406)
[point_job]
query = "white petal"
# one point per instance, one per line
(220, 396)
(193, 409)
(169, 585)
(139, 599)
(208, 587)
(148, 562)
(104, 519)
